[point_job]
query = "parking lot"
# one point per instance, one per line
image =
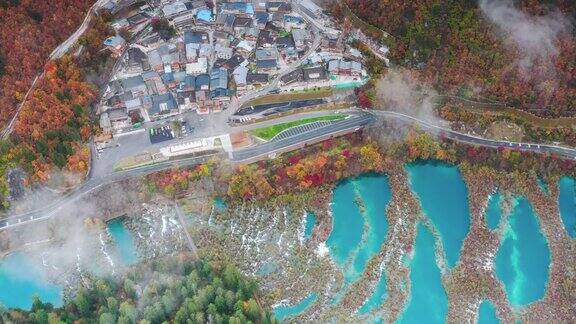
(178, 128)
(161, 134)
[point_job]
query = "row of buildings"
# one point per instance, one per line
(218, 52)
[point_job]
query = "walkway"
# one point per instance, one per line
(191, 244)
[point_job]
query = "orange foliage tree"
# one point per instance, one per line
(29, 31)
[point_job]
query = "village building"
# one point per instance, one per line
(162, 106)
(199, 67)
(135, 85)
(115, 44)
(345, 68)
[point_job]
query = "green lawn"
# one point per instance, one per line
(267, 133)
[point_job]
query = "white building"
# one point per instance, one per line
(173, 9)
(223, 52)
(199, 67)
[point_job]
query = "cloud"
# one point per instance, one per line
(535, 37)
(400, 92)
(64, 248)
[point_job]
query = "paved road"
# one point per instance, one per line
(91, 185)
(561, 151)
(285, 144)
(268, 148)
(95, 182)
(8, 129)
(65, 46)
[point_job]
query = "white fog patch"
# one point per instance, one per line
(401, 92)
(535, 37)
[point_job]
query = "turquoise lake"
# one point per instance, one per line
(494, 211)
(428, 301)
(359, 230)
(282, 312)
(347, 224)
(220, 204)
(357, 203)
(124, 242)
(19, 281)
(567, 204)
(310, 222)
(487, 313)
(444, 198)
(523, 258)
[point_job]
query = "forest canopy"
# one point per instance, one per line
(173, 289)
(522, 53)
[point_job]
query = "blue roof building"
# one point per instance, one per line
(163, 104)
(238, 7)
(266, 64)
(202, 82)
(219, 93)
(114, 41)
(167, 77)
(293, 19)
(195, 37)
(262, 17)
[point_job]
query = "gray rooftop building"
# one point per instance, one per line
(163, 104)
(218, 79)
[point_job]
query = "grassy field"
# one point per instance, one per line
(267, 133)
(296, 95)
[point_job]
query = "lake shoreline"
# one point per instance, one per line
(264, 239)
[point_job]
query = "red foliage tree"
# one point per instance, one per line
(29, 31)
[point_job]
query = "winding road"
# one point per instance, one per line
(561, 151)
(354, 122)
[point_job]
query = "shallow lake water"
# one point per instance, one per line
(377, 297)
(567, 204)
(124, 242)
(359, 224)
(494, 210)
(428, 301)
(444, 199)
(487, 313)
(282, 312)
(20, 280)
(310, 222)
(523, 258)
(359, 230)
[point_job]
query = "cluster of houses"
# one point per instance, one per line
(220, 50)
